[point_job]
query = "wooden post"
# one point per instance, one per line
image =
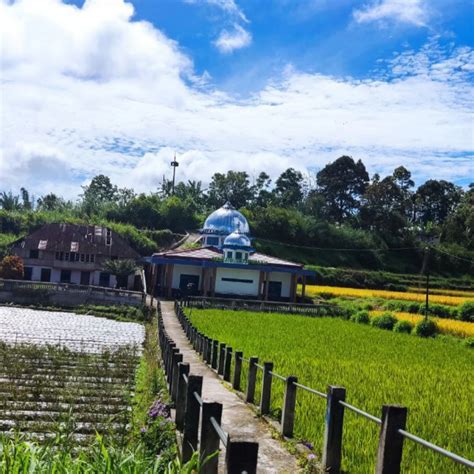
(303, 290)
(215, 344)
(389, 456)
(333, 431)
(220, 371)
(267, 284)
(214, 275)
(191, 417)
(252, 380)
(174, 378)
(266, 388)
(260, 285)
(289, 403)
(237, 370)
(209, 438)
(241, 456)
(183, 369)
(228, 361)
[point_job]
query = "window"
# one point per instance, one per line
(66, 256)
(87, 257)
(42, 244)
(46, 274)
(246, 257)
(28, 273)
(228, 254)
(237, 280)
(34, 253)
(74, 246)
(238, 255)
(65, 276)
(83, 257)
(108, 237)
(92, 258)
(212, 241)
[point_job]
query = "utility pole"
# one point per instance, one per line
(174, 164)
(427, 272)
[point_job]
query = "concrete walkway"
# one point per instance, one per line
(237, 418)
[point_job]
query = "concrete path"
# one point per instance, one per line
(237, 418)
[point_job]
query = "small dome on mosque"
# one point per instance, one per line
(237, 239)
(225, 220)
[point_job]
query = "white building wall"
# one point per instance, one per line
(237, 288)
(179, 270)
(285, 279)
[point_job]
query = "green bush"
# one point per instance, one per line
(361, 317)
(469, 342)
(426, 328)
(403, 326)
(466, 311)
(384, 321)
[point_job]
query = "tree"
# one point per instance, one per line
(289, 188)
(99, 192)
(50, 202)
(233, 187)
(12, 268)
(25, 197)
(9, 201)
(342, 182)
(191, 190)
(122, 269)
(435, 200)
(263, 197)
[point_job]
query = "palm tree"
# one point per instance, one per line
(10, 202)
(122, 269)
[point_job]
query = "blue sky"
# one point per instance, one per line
(117, 87)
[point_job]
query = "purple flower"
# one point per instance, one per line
(308, 445)
(311, 456)
(159, 409)
(143, 430)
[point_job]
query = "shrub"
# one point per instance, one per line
(403, 326)
(11, 267)
(426, 328)
(384, 321)
(361, 317)
(466, 311)
(440, 310)
(469, 342)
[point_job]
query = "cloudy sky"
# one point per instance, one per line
(117, 87)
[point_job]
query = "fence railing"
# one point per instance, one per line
(316, 309)
(70, 288)
(392, 424)
(198, 420)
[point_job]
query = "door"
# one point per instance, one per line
(46, 274)
(28, 273)
(189, 284)
(85, 278)
(274, 290)
(104, 279)
(65, 276)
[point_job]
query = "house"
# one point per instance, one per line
(226, 265)
(71, 253)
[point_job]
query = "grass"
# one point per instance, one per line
(446, 326)
(433, 378)
(314, 290)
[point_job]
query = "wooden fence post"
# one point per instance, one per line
(241, 456)
(228, 361)
(220, 370)
(191, 417)
(173, 353)
(333, 431)
(237, 370)
(266, 388)
(252, 380)
(209, 351)
(288, 412)
(174, 378)
(209, 438)
(215, 344)
(389, 456)
(183, 369)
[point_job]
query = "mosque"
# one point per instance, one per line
(226, 265)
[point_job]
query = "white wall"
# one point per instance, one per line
(236, 288)
(179, 270)
(285, 279)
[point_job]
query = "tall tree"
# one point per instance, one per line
(233, 187)
(435, 200)
(263, 197)
(342, 182)
(25, 197)
(50, 202)
(289, 188)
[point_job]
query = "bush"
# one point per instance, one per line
(11, 267)
(384, 321)
(466, 311)
(426, 328)
(469, 342)
(361, 317)
(403, 326)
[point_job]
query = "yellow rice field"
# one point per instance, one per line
(439, 291)
(315, 290)
(446, 326)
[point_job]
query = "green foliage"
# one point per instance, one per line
(384, 321)
(403, 326)
(361, 317)
(426, 328)
(469, 342)
(466, 311)
(376, 367)
(122, 269)
(12, 268)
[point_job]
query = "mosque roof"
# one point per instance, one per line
(225, 220)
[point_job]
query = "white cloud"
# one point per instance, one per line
(236, 38)
(228, 6)
(88, 91)
(406, 11)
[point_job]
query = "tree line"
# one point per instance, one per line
(340, 206)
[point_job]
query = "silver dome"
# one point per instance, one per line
(237, 239)
(225, 220)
